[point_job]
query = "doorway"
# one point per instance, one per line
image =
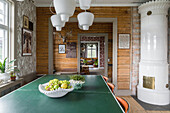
(93, 53)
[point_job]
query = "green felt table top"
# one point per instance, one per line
(94, 97)
(93, 83)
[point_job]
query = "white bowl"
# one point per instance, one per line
(56, 93)
(77, 83)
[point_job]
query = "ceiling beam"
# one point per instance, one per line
(98, 5)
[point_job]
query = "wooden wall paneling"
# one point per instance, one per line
(61, 63)
(42, 41)
(123, 71)
(123, 15)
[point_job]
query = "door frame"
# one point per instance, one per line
(98, 51)
(105, 49)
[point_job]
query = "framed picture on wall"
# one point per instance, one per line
(124, 41)
(71, 50)
(61, 48)
(26, 42)
(31, 25)
(25, 22)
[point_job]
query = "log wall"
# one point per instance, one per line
(123, 15)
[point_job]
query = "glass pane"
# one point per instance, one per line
(88, 45)
(1, 19)
(88, 53)
(3, 44)
(94, 46)
(6, 13)
(1, 7)
(1, 41)
(93, 53)
(3, 13)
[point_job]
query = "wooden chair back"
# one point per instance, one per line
(112, 87)
(105, 78)
(124, 104)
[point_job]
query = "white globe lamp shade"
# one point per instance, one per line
(85, 4)
(85, 27)
(56, 22)
(85, 20)
(64, 8)
(58, 28)
(80, 27)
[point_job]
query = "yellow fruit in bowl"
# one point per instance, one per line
(64, 85)
(55, 84)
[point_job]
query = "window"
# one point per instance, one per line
(4, 28)
(92, 50)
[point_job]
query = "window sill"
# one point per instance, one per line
(10, 86)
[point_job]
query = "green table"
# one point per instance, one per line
(94, 97)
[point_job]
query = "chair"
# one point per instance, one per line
(105, 78)
(85, 69)
(112, 86)
(125, 105)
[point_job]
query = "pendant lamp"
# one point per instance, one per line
(85, 4)
(85, 19)
(64, 8)
(56, 22)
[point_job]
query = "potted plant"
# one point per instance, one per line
(5, 68)
(95, 63)
(12, 76)
(77, 81)
(85, 61)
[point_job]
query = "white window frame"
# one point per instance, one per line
(91, 50)
(8, 28)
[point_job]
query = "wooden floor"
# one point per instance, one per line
(137, 108)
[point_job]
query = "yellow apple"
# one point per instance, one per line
(64, 85)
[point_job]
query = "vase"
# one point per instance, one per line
(4, 77)
(13, 78)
